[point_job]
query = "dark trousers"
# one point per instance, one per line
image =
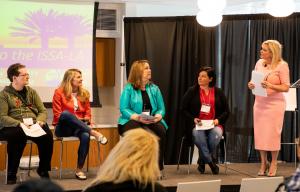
(157, 128)
(69, 125)
(16, 142)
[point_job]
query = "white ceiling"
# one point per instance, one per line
(183, 7)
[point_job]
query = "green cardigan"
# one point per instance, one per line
(13, 108)
(131, 102)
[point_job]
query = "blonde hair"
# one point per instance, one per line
(66, 85)
(136, 73)
(134, 158)
(276, 49)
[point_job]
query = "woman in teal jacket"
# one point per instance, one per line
(142, 105)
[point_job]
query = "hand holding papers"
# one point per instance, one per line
(34, 130)
(147, 117)
(257, 78)
(205, 125)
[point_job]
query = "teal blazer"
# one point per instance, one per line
(131, 102)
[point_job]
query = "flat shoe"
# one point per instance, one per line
(80, 175)
(102, 139)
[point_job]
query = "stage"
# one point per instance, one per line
(230, 181)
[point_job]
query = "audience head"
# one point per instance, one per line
(72, 81)
(140, 73)
(275, 48)
(210, 72)
(134, 158)
(14, 71)
(38, 185)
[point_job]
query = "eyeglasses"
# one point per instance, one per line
(24, 75)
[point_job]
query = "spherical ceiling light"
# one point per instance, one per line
(215, 5)
(280, 8)
(208, 18)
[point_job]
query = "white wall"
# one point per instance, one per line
(182, 8)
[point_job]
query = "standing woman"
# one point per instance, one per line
(139, 96)
(72, 115)
(204, 101)
(268, 112)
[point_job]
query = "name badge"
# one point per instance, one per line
(205, 108)
(28, 121)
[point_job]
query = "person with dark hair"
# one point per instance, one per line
(38, 185)
(203, 101)
(268, 112)
(20, 105)
(141, 96)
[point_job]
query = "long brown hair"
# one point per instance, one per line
(136, 73)
(66, 85)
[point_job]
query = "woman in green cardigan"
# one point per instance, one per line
(142, 105)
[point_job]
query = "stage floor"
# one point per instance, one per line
(235, 173)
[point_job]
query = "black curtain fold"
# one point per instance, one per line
(236, 72)
(176, 48)
(260, 28)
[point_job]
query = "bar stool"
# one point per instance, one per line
(191, 155)
(65, 139)
(4, 142)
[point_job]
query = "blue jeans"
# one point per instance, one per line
(69, 125)
(207, 142)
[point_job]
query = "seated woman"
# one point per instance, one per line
(130, 166)
(72, 115)
(204, 101)
(142, 105)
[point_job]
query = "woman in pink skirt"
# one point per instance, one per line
(268, 112)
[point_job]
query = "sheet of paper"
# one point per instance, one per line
(205, 125)
(257, 78)
(296, 84)
(147, 117)
(34, 130)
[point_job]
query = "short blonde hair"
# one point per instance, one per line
(276, 49)
(136, 73)
(134, 158)
(66, 85)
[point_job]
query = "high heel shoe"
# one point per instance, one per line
(263, 172)
(272, 172)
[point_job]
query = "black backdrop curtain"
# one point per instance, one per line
(241, 40)
(176, 48)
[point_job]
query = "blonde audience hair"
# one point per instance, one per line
(134, 158)
(276, 49)
(66, 85)
(136, 73)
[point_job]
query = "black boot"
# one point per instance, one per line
(214, 168)
(201, 167)
(11, 179)
(43, 174)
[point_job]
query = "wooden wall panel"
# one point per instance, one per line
(105, 62)
(70, 151)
